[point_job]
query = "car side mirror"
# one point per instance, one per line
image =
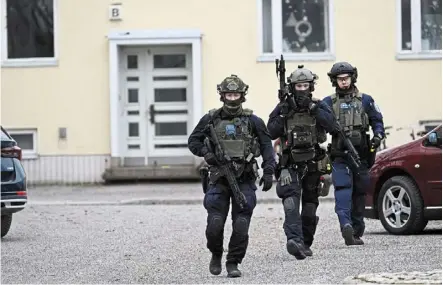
(433, 139)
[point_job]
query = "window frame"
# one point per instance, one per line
(277, 36)
(26, 153)
(416, 52)
(26, 62)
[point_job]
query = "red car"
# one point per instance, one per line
(406, 187)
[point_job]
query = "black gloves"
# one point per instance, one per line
(313, 107)
(375, 141)
(303, 101)
(210, 158)
(266, 180)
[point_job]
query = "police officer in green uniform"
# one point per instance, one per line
(301, 122)
(243, 136)
(356, 112)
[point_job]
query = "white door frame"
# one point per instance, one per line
(144, 38)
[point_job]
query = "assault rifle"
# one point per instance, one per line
(283, 93)
(280, 69)
(351, 152)
(224, 163)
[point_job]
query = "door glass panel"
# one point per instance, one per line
(132, 95)
(133, 130)
(171, 112)
(132, 62)
(132, 78)
(169, 61)
(171, 129)
(169, 78)
(170, 95)
(171, 146)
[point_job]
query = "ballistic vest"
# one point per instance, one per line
(303, 135)
(350, 113)
(235, 135)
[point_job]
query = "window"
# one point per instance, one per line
(419, 23)
(300, 30)
(26, 140)
(425, 126)
(29, 35)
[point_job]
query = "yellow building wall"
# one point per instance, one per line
(75, 94)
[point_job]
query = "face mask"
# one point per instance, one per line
(302, 98)
(232, 107)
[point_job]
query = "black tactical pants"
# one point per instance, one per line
(300, 228)
(217, 201)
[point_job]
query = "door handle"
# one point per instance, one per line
(152, 113)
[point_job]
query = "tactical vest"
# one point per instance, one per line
(303, 135)
(236, 137)
(350, 113)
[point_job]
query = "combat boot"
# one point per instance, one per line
(233, 270)
(308, 251)
(215, 265)
(358, 240)
(348, 234)
(296, 249)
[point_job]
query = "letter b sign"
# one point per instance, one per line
(115, 12)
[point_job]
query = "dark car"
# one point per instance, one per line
(405, 190)
(13, 192)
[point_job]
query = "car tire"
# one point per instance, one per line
(6, 223)
(416, 222)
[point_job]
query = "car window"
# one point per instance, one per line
(439, 133)
(426, 142)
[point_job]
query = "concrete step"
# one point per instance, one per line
(152, 172)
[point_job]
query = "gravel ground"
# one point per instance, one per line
(166, 244)
(144, 193)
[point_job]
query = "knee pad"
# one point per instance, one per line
(289, 204)
(241, 226)
(309, 210)
(215, 224)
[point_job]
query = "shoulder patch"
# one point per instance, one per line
(247, 112)
(212, 112)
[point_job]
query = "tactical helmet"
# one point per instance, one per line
(301, 75)
(342, 68)
(232, 84)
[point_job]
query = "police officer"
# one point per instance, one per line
(355, 111)
(301, 122)
(243, 135)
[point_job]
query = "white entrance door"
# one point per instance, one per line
(155, 102)
(169, 100)
(133, 94)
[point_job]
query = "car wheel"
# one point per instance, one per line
(6, 223)
(400, 206)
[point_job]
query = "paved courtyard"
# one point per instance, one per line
(112, 243)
